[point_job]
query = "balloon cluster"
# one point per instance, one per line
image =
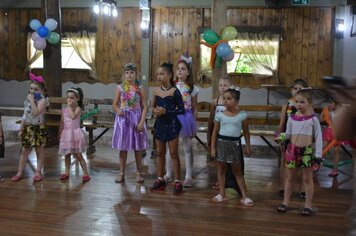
(43, 32)
(219, 46)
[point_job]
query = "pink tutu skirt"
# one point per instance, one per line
(125, 136)
(72, 141)
(189, 127)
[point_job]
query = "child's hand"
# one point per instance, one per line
(140, 127)
(120, 112)
(213, 153)
(248, 151)
(30, 97)
(158, 111)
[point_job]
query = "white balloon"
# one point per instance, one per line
(51, 24)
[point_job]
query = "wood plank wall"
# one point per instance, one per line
(306, 51)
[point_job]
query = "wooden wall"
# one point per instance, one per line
(305, 52)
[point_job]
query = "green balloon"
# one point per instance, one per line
(53, 38)
(229, 33)
(210, 36)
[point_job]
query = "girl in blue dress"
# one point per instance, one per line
(167, 104)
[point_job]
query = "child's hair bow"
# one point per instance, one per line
(185, 57)
(234, 88)
(38, 79)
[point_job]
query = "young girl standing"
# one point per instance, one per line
(130, 131)
(184, 82)
(226, 144)
(302, 129)
(72, 137)
(288, 110)
(33, 130)
(167, 104)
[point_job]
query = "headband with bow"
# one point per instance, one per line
(185, 57)
(234, 88)
(38, 79)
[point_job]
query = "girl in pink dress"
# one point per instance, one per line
(72, 137)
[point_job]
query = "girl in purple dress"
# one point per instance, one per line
(130, 131)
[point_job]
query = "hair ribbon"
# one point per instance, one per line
(38, 79)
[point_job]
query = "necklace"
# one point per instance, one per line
(165, 89)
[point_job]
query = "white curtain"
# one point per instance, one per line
(31, 56)
(262, 50)
(83, 43)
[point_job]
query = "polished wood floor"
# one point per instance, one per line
(102, 207)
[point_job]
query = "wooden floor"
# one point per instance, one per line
(102, 207)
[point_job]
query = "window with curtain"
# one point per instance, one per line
(70, 58)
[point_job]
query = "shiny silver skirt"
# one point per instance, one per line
(228, 149)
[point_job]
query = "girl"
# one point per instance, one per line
(72, 137)
(327, 116)
(226, 144)
(33, 130)
(130, 131)
(217, 105)
(288, 110)
(167, 104)
(302, 129)
(2, 145)
(184, 82)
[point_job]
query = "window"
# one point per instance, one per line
(255, 53)
(70, 58)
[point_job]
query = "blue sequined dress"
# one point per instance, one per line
(167, 126)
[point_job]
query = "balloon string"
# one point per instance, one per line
(213, 50)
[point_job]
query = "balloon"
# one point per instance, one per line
(51, 24)
(229, 33)
(42, 31)
(223, 50)
(40, 44)
(35, 24)
(229, 57)
(35, 36)
(210, 36)
(53, 38)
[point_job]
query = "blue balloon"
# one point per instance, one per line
(223, 50)
(43, 31)
(35, 24)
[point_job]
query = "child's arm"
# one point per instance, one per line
(116, 102)
(179, 105)
(246, 132)
(318, 138)
(211, 121)
(282, 119)
(37, 108)
(140, 126)
(214, 137)
(74, 114)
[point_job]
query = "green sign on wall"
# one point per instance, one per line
(301, 2)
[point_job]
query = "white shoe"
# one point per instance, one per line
(188, 183)
(168, 179)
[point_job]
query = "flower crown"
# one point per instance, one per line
(38, 79)
(186, 58)
(234, 88)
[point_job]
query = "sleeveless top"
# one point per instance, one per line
(28, 117)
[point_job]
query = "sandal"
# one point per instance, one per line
(85, 178)
(139, 178)
(283, 208)
(219, 198)
(247, 202)
(37, 178)
(306, 211)
(64, 177)
(120, 178)
(17, 177)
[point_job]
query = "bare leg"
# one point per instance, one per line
(67, 162)
(282, 171)
(138, 158)
(288, 186)
(40, 160)
(160, 158)
(173, 151)
(309, 186)
(82, 163)
(23, 159)
(123, 158)
(221, 177)
(237, 170)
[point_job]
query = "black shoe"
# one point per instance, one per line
(159, 185)
(178, 188)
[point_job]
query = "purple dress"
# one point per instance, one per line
(125, 137)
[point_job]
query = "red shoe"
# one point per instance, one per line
(37, 178)
(64, 177)
(86, 178)
(16, 178)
